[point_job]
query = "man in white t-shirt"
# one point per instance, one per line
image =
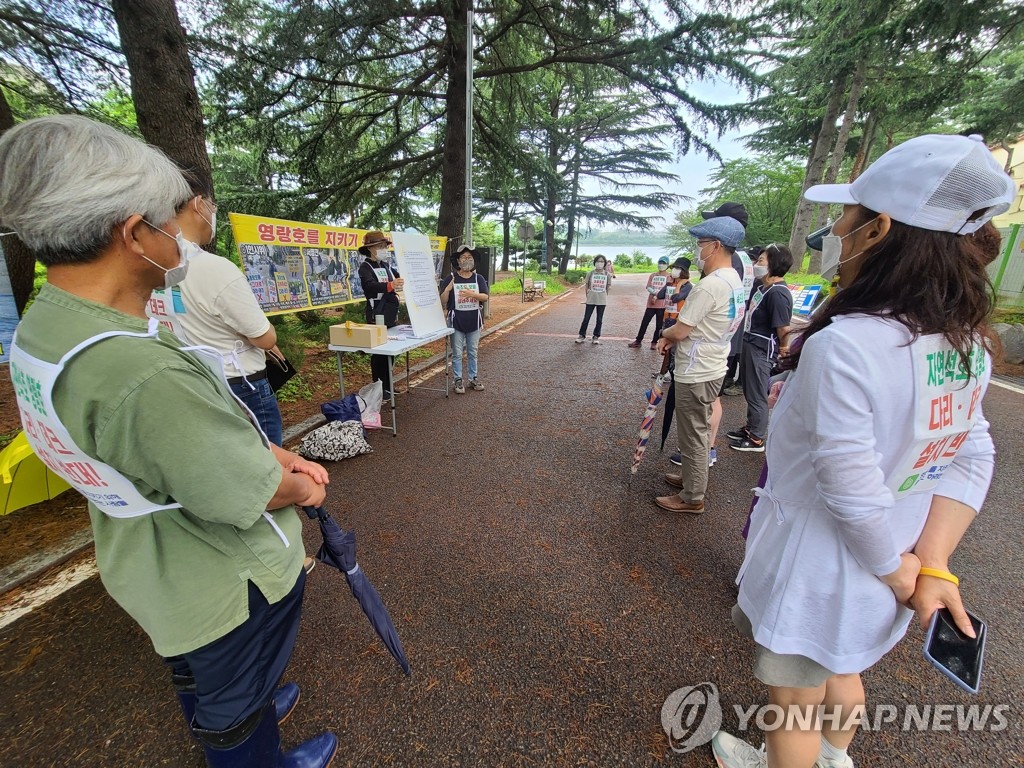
(215, 307)
(712, 314)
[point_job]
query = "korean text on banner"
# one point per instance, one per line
(292, 265)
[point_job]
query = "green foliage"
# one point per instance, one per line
(623, 260)
(574, 276)
(294, 390)
(682, 242)
(1011, 315)
(994, 94)
(642, 260)
(290, 339)
(768, 187)
(803, 278)
(512, 285)
(115, 107)
(56, 57)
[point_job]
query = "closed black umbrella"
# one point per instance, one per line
(339, 551)
(670, 406)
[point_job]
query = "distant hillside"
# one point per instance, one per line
(625, 237)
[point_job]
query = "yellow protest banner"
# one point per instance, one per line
(294, 265)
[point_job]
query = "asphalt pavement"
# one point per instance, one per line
(547, 607)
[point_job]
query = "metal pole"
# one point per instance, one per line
(469, 124)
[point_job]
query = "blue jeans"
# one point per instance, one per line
(263, 404)
(465, 341)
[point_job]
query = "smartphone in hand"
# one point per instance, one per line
(957, 656)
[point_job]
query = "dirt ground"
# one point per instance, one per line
(38, 527)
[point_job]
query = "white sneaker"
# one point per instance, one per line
(731, 752)
(581, 339)
(828, 762)
(595, 340)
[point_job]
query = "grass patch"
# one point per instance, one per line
(294, 390)
(1014, 316)
(511, 285)
(803, 278)
(7, 437)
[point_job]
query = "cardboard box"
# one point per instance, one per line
(358, 335)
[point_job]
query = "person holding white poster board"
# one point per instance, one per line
(381, 283)
(463, 292)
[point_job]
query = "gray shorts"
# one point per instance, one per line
(781, 670)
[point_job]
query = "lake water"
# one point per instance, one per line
(589, 251)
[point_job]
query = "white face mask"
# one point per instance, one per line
(662, 267)
(677, 272)
(760, 271)
(175, 275)
(700, 260)
(212, 221)
(599, 265)
(832, 250)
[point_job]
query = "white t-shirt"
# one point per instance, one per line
(222, 312)
(841, 505)
(715, 309)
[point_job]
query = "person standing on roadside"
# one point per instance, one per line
(192, 514)
(712, 314)
(596, 286)
(463, 293)
(380, 282)
(655, 309)
(766, 337)
(879, 454)
(215, 306)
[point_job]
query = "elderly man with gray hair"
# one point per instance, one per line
(191, 508)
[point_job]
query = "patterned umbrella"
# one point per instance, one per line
(654, 395)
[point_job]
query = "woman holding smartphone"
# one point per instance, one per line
(879, 455)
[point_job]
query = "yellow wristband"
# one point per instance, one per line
(946, 575)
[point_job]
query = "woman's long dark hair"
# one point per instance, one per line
(931, 282)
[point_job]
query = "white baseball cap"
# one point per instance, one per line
(934, 182)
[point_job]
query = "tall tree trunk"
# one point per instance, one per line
(839, 152)
(570, 214)
(21, 262)
(1009, 154)
(867, 138)
(451, 218)
(506, 232)
(163, 82)
(815, 167)
(549, 226)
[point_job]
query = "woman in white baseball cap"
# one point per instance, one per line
(879, 455)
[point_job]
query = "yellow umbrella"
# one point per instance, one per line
(24, 479)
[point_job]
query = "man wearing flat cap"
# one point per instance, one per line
(712, 314)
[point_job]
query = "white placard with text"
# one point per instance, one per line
(416, 266)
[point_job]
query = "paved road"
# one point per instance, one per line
(547, 607)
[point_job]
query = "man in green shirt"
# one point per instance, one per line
(196, 536)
